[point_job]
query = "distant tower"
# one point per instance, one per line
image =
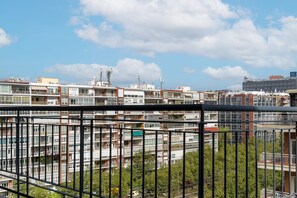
(138, 78)
(161, 82)
(100, 76)
(108, 75)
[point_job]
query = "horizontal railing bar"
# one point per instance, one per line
(163, 107)
(38, 185)
(15, 191)
(120, 120)
(165, 121)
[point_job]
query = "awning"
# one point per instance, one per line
(211, 129)
(137, 133)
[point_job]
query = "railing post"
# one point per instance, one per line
(169, 163)
(17, 152)
(247, 163)
(256, 159)
(121, 163)
(295, 157)
(81, 156)
(201, 155)
(91, 157)
(28, 163)
(143, 163)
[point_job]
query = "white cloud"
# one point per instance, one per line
(79, 72)
(226, 72)
(4, 38)
(235, 87)
(126, 71)
(201, 27)
(103, 35)
(157, 26)
(189, 70)
(75, 20)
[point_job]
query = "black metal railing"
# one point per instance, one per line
(77, 152)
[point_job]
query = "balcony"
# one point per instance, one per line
(151, 96)
(254, 160)
(278, 161)
(105, 94)
(277, 194)
(20, 91)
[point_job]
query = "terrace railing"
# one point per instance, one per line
(81, 153)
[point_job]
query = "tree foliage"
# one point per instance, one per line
(37, 192)
(234, 163)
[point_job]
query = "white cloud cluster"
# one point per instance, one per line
(125, 71)
(204, 27)
(4, 38)
(226, 72)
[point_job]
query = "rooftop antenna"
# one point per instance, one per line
(100, 76)
(108, 75)
(94, 81)
(138, 77)
(161, 82)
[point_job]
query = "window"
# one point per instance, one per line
(64, 101)
(293, 147)
(73, 101)
(63, 147)
(293, 185)
(5, 88)
(64, 90)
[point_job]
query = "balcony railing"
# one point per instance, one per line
(278, 158)
(276, 194)
(79, 159)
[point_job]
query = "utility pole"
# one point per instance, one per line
(100, 76)
(108, 74)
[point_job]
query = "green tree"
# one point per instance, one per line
(37, 192)
(235, 160)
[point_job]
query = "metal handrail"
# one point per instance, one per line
(163, 107)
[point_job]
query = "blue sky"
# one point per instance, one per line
(204, 44)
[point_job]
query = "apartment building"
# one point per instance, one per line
(284, 161)
(275, 83)
(108, 125)
(235, 121)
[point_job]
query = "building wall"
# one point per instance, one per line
(47, 80)
(45, 92)
(251, 99)
(288, 186)
(280, 85)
